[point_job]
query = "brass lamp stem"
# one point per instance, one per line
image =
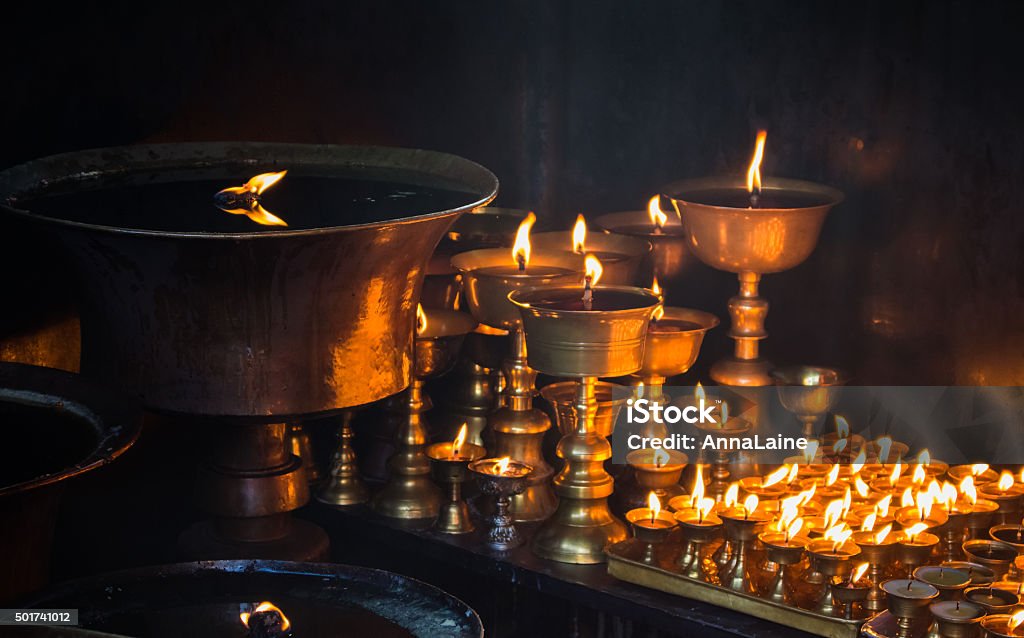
(519, 377)
(343, 486)
(747, 312)
(582, 526)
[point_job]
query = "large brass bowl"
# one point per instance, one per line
(486, 294)
(761, 240)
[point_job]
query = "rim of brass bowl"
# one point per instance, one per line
(667, 354)
(1019, 546)
(609, 222)
(761, 240)
(486, 295)
(997, 565)
(614, 343)
(562, 397)
(795, 376)
(446, 323)
(627, 245)
(485, 227)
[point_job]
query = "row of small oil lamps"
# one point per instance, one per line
(785, 512)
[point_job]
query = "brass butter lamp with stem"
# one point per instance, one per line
(409, 493)
(584, 332)
(808, 392)
(750, 229)
(488, 276)
(450, 463)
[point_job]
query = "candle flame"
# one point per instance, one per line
(594, 270)
(698, 393)
(919, 475)
(949, 495)
(862, 488)
(659, 312)
(655, 288)
(924, 457)
(833, 513)
(658, 218)
(750, 504)
(660, 458)
(884, 445)
(807, 495)
(847, 501)
(907, 499)
(421, 320)
(264, 607)
(978, 469)
(883, 534)
(838, 534)
(810, 451)
(732, 495)
(460, 440)
(1015, 621)
(914, 531)
(1005, 481)
(789, 509)
(501, 465)
(839, 446)
(775, 477)
(794, 471)
(754, 172)
(521, 246)
(704, 507)
(858, 462)
(244, 200)
(895, 476)
(968, 490)
(842, 427)
(833, 474)
(882, 506)
(868, 524)
(654, 504)
(794, 528)
(924, 504)
(858, 573)
(579, 235)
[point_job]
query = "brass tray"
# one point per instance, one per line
(625, 562)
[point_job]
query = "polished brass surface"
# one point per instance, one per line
(502, 534)
(625, 562)
(667, 354)
(880, 557)
(620, 255)
(562, 397)
(907, 610)
(668, 255)
(809, 392)
(409, 493)
(450, 472)
(749, 242)
(571, 343)
(331, 309)
(486, 293)
(300, 445)
(343, 486)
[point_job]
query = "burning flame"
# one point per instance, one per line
(654, 504)
(882, 506)
(594, 270)
(833, 513)
(750, 504)
(521, 247)
(660, 458)
(914, 530)
(789, 509)
(978, 469)
(858, 463)
(244, 200)
(698, 393)
(868, 524)
(895, 476)
(907, 500)
(847, 501)
(858, 573)
(862, 488)
(460, 440)
(811, 451)
(697, 494)
(949, 495)
(882, 534)
(754, 172)
(1014, 621)
(579, 235)
(839, 446)
(967, 489)
(704, 507)
(924, 457)
(421, 320)
(655, 288)
(1005, 481)
(659, 312)
(884, 445)
(794, 528)
(794, 470)
(775, 476)
(501, 465)
(924, 504)
(658, 218)
(264, 607)
(732, 495)
(842, 427)
(807, 495)
(919, 475)
(833, 474)
(838, 535)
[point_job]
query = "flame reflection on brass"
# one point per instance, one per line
(245, 199)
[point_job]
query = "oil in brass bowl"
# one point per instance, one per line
(725, 233)
(568, 341)
(673, 342)
(490, 274)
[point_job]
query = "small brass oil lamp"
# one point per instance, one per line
(915, 547)
(908, 602)
(830, 558)
(996, 555)
(584, 332)
(981, 473)
(1012, 535)
(956, 618)
(782, 549)
(1007, 494)
(489, 275)
(852, 592)
(740, 524)
(671, 347)
(699, 526)
(878, 548)
(651, 525)
(663, 232)
(950, 582)
(658, 471)
(1003, 625)
(620, 255)
(409, 492)
(992, 599)
(808, 392)
(502, 478)
(750, 228)
(450, 463)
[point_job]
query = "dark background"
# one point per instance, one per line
(913, 109)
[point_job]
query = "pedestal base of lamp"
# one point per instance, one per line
(409, 496)
(343, 486)
(742, 372)
(579, 532)
(303, 542)
(519, 434)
